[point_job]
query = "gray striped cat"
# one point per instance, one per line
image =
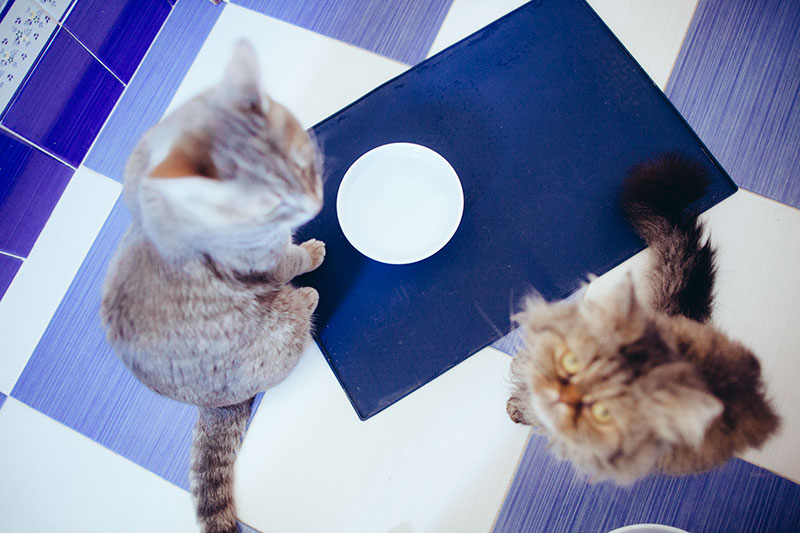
(197, 301)
(631, 384)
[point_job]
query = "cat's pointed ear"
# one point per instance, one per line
(683, 408)
(243, 73)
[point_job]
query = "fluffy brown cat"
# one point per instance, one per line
(627, 386)
(197, 301)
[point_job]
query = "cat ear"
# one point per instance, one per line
(683, 409)
(243, 73)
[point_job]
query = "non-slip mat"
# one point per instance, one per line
(546, 495)
(541, 114)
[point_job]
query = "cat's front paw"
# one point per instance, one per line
(308, 298)
(515, 412)
(316, 250)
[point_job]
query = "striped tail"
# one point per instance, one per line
(218, 434)
(655, 197)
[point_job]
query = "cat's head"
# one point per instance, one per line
(229, 166)
(607, 384)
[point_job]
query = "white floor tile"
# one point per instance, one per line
(651, 30)
(55, 479)
(758, 304)
(439, 460)
(46, 274)
(313, 75)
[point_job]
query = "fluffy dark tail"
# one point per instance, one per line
(655, 197)
(217, 436)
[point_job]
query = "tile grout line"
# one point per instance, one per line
(126, 86)
(95, 57)
(6, 129)
(9, 254)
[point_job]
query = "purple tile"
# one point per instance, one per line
(547, 495)
(31, 183)
(403, 30)
(8, 269)
(154, 85)
(74, 377)
(118, 33)
(65, 101)
(737, 81)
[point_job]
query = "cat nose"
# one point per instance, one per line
(570, 394)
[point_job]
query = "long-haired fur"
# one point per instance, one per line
(628, 385)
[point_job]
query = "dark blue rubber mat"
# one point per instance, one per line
(541, 114)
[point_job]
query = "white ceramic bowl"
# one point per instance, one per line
(648, 528)
(400, 203)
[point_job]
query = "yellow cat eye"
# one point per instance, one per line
(570, 362)
(601, 413)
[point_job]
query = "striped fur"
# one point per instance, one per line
(217, 436)
(197, 301)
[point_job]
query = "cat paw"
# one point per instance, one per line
(316, 250)
(308, 298)
(515, 413)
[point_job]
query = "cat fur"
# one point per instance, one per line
(197, 301)
(683, 396)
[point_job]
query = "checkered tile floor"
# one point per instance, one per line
(83, 447)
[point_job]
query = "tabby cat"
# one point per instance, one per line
(629, 385)
(197, 301)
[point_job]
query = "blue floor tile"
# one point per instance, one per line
(65, 100)
(154, 84)
(118, 33)
(243, 528)
(30, 186)
(403, 30)
(74, 377)
(547, 496)
(736, 81)
(8, 269)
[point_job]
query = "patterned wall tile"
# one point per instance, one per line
(8, 269)
(74, 377)
(65, 101)
(546, 495)
(403, 30)
(736, 81)
(57, 8)
(118, 33)
(154, 84)
(30, 186)
(24, 32)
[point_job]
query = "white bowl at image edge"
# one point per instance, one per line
(648, 528)
(399, 203)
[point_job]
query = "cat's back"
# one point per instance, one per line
(166, 321)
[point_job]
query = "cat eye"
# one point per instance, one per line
(569, 362)
(601, 413)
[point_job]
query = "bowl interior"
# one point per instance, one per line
(399, 203)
